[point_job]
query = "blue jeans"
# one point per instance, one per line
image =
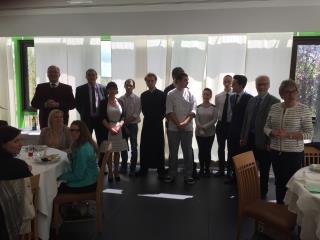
(133, 133)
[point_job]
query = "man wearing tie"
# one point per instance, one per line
(53, 95)
(238, 102)
(252, 134)
(222, 101)
(88, 97)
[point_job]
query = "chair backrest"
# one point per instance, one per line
(247, 179)
(100, 181)
(311, 156)
(35, 191)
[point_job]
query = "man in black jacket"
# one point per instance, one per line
(238, 102)
(88, 97)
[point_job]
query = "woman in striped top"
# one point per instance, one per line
(288, 124)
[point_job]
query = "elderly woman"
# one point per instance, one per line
(10, 146)
(288, 124)
(56, 135)
(84, 171)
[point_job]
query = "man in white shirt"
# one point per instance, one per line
(132, 108)
(180, 110)
(222, 101)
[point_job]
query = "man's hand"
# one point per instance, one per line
(243, 142)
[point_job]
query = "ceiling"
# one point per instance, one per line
(47, 4)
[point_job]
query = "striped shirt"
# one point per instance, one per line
(206, 117)
(294, 119)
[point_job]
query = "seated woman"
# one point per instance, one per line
(56, 135)
(11, 167)
(84, 169)
(10, 146)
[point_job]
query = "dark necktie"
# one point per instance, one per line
(254, 114)
(93, 99)
(225, 109)
(237, 99)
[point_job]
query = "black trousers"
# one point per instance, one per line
(64, 188)
(96, 125)
(222, 130)
(264, 163)
(284, 164)
(263, 160)
(204, 146)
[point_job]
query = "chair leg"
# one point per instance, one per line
(56, 217)
(99, 215)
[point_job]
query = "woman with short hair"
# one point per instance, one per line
(10, 146)
(111, 112)
(288, 124)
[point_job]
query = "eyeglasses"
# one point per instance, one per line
(287, 92)
(74, 130)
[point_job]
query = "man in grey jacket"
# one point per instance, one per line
(252, 136)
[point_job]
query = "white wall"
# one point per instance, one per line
(237, 19)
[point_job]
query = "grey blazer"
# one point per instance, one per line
(260, 138)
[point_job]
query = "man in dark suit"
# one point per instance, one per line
(238, 102)
(252, 134)
(53, 95)
(88, 97)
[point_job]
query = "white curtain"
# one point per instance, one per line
(123, 59)
(73, 55)
(270, 54)
(7, 82)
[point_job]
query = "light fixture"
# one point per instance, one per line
(78, 2)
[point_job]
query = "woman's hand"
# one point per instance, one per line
(30, 168)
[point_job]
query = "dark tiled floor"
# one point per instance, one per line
(210, 214)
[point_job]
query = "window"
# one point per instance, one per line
(105, 61)
(28, 73)
(305, 69)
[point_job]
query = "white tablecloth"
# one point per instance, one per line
(304, 203)
(49, 172)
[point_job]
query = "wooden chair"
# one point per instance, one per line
(34, 180)
(271, 215)
(79, 197)
(311, 156)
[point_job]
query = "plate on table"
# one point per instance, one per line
(315, 168)
(50, 158)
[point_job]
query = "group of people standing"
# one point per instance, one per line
(274, 131)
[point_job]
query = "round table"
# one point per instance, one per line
(48, 187)
(304, 203)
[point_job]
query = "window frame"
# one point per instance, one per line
(308, 40)
(26, 98)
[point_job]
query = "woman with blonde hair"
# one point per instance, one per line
(56, 135)
(288, 124)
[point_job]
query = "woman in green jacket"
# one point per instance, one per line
(84, 169)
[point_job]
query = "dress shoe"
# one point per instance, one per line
(218, 174)
(230, 180)
(168, 179)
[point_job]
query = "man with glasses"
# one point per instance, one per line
(252, 133)
(88, 97)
